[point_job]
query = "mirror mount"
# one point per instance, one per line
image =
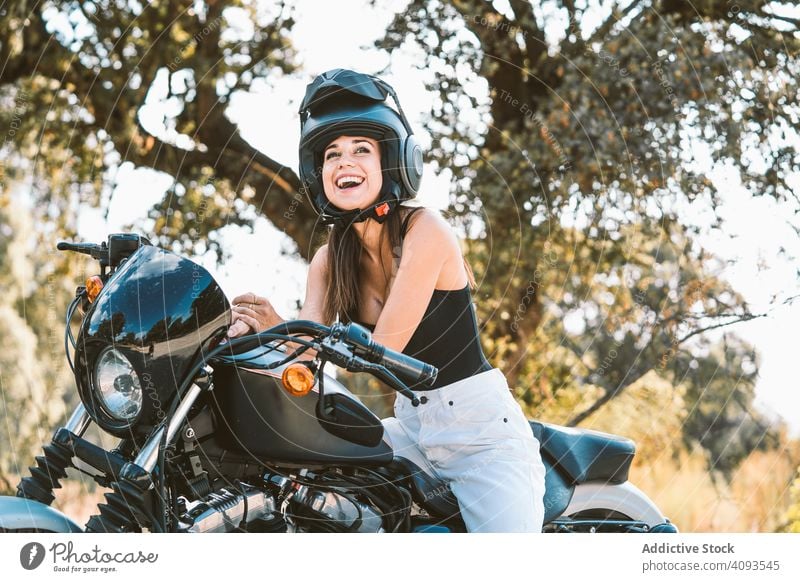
(347, 418)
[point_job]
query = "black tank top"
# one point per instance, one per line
(447, 337)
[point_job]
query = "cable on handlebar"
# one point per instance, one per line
(68, 337)
(386, 376)
(277, 332)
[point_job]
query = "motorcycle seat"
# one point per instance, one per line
(585, 455)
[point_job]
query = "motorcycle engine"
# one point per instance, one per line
(330, 510)
(228, 510)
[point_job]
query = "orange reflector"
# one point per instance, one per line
(298, 379)
(382, 210)
(93, 287)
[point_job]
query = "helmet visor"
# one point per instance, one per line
(340, 85)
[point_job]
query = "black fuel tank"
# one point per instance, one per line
(258, 416)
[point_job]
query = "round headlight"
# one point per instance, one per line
(117, 385)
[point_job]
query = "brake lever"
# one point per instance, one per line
(342, 355)
(387, 377)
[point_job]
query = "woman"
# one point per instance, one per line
(399, 270)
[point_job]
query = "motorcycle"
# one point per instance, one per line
(251, 434)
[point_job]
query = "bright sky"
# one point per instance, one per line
(755, 229)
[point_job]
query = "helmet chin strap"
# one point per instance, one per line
(379, 211)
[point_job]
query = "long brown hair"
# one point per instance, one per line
(343, 293)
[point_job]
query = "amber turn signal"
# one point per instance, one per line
(298, 379)
(93, 287)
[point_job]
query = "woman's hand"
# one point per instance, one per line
(252, 314)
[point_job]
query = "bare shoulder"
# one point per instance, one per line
(319, 262)
(431, 244)
(428, 226)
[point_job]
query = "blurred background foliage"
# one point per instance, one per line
(574, 147)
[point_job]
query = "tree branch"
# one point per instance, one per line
(535, 44)
(793, 21)
(630, 378)
(607, 397)
(600, 33)
(746, 317)
(232, 158)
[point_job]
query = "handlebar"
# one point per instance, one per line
(119, 247)
(410, 370)
(299, 326)
(350, 346)
(99, 252)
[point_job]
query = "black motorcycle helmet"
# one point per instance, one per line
(344, 102)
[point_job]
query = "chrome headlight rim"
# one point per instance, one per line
(131, 382)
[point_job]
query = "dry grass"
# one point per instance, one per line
(755, 500)
(679, 482)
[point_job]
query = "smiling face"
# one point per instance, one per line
(351, 172)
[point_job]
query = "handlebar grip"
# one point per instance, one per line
(411, 370)
(85, 248)
(98, 252)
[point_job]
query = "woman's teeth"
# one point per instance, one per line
(348, 182)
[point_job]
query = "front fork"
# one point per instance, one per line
(52, 465)
(134, 492)
(131, 482)
(79, 421)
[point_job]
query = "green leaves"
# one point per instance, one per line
(114, 82)
(597, 141)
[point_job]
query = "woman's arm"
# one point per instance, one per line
(430, 255)
(253, 313)
(316, 286)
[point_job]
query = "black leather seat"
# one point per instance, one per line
(571, 455)
(585, 455)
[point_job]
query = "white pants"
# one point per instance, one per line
(473, 435)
